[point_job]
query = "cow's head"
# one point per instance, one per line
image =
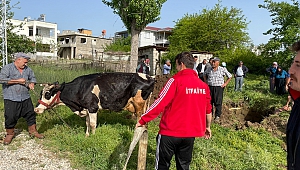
(49, 97)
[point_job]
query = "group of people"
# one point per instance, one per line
(143, 66)
(184, 97)
(279, 79)
(188, 99)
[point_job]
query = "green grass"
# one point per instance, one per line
(248, 149)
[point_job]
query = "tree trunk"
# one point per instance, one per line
(134, 49)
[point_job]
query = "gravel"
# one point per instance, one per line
(26, 153)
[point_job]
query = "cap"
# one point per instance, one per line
(23, 55)
(216, 59)
(275, 63)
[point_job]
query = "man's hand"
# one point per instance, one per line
(138, 125)
(207, 133)
(21, 81)
(224, 85)
(31, 86)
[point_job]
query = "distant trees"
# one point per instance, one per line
(136, 15)
(211, 30)
(16, 43)
(286, 31)
(120, 44)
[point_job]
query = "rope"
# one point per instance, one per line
(138, 132)
(51, 110)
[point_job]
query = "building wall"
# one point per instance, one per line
(82, 46)
(153, 54)
(43, 32)
(147, 38)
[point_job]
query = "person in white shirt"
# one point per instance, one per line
(239, 72)
(201, 68)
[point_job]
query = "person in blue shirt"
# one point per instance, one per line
(281, 80)
(272, 71)
(167, 67)
(17, 79)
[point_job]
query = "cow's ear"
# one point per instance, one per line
(62, 86)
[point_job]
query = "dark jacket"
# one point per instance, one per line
(293, 133)
(199, 68)
(244, 68)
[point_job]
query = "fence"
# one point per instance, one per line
(106, 66)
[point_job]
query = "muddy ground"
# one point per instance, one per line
(240, 115)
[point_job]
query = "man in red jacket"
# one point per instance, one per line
(186, 113)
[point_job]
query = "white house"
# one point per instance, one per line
(39, 31)
(150, 36)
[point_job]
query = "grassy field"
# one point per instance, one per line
(228, 149)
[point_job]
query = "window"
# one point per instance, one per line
(30, 31)
(38, 31)
(83, 40)
(67, 40)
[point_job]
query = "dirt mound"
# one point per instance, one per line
(239, 115)
(160, 81)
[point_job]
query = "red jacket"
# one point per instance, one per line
(184, 102)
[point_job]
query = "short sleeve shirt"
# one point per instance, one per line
(216, 78)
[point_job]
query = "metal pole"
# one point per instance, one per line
(3, 34)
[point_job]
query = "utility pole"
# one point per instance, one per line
(3, 33)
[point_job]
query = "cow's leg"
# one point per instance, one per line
(88, 127)
(93, 121)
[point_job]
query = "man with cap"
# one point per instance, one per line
(239, 72)
(214, 77)
(272, 71)
(17, 79)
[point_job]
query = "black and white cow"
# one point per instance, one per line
(85, 95)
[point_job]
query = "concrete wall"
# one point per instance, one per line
(79, 46)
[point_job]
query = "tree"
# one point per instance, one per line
(120, 44)
(211, 30)
(285, 18)
(16, 43)
(136, 15)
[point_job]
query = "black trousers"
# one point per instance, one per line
(13, 111)
(280, 86)
(216, 93)
(168, 146)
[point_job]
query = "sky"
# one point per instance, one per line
(95, 16)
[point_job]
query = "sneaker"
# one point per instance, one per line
(217, 118)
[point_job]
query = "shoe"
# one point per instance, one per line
(217, 118)
(33, 132)
(10, 134)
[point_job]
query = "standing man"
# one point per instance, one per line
(214, 77)
(167, 67)
(272, 71)
(200, 69)
(293, 126)
(195, 64)
(239, 72)
(186, 113)
(18, 79)
(142, 67)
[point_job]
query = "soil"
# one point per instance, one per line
(239, 116)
